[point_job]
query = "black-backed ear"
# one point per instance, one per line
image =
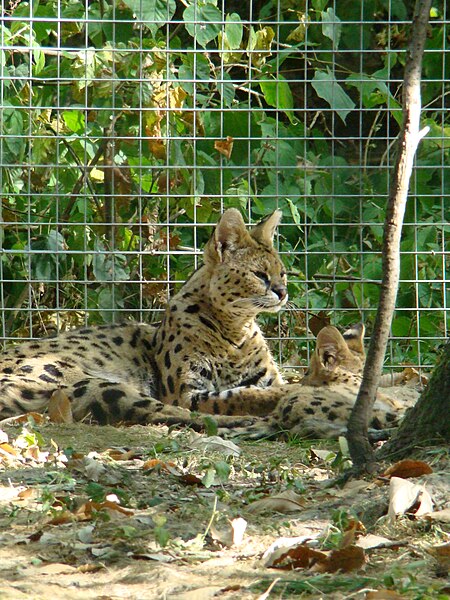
(229, 235)
(264, 231)
(354, 338)
(329, 346)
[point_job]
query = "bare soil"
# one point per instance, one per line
(143, 513)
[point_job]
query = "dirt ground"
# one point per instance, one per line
(151, 513)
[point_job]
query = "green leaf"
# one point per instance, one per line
(39, 61)
(331, 26)
(326, 87)
(223, 470)
(44, 265)
(401, 326)
(277, 93)
(209, 477)
(234, 31)
(202, 22)
(153, 13)
(226, 90)
(74, 119)
(162, 536)
(210, 423)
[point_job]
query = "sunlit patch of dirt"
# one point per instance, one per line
(145, 512)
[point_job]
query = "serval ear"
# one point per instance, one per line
(330, 347)
(354, 338)
(264, 231)
(229, 235)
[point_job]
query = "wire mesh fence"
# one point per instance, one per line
(127, 127)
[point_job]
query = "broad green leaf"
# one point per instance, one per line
(226, 90)
(202, 22)
(74, 119)
(44, 264)
(234, 30)
(153, 13)
(39, 61)
(277, 93)
(331, 26)
(223, 470)
(326, 87)
(401, 326)
(211, 426)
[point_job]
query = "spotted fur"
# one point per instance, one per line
(208, 355)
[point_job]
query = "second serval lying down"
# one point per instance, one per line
(208, 355)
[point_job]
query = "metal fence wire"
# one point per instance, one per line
(128, 126)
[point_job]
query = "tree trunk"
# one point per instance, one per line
(428, 422)
(358, 439)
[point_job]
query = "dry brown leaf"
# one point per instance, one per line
(441, 554)
(353, 529)
(56, 569)
(155, 463)
(8, 449)
(225, 147)
(117, 454)
(65, 516)
(60, 408)
(109, 506)
(408, 468)
(383, 595)
(38, 418)
(344, 559)
(439, 515)
(190, 479)
(284, 502)
(299, 557)
(90, 568)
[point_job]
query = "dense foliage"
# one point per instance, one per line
(121, 117)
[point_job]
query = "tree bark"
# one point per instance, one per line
(428, 422)
(359, 445)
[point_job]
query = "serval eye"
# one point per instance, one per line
(263, 276)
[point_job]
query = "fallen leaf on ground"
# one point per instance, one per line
(370, 541)
(284, 502)
(439, 515)
(93, 469)
(155, 463)
(38, 418)
(6, 448)
(118, 454)
(384, 595)
(56, 569)
(344, 559)
(408, 468)
(296, 557)
(60, 408)
(441, 554)
(232, 536)
(403, 495)
(291, 554)
(215, 443)
(8, 493)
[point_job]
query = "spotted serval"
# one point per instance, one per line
(208, 355)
